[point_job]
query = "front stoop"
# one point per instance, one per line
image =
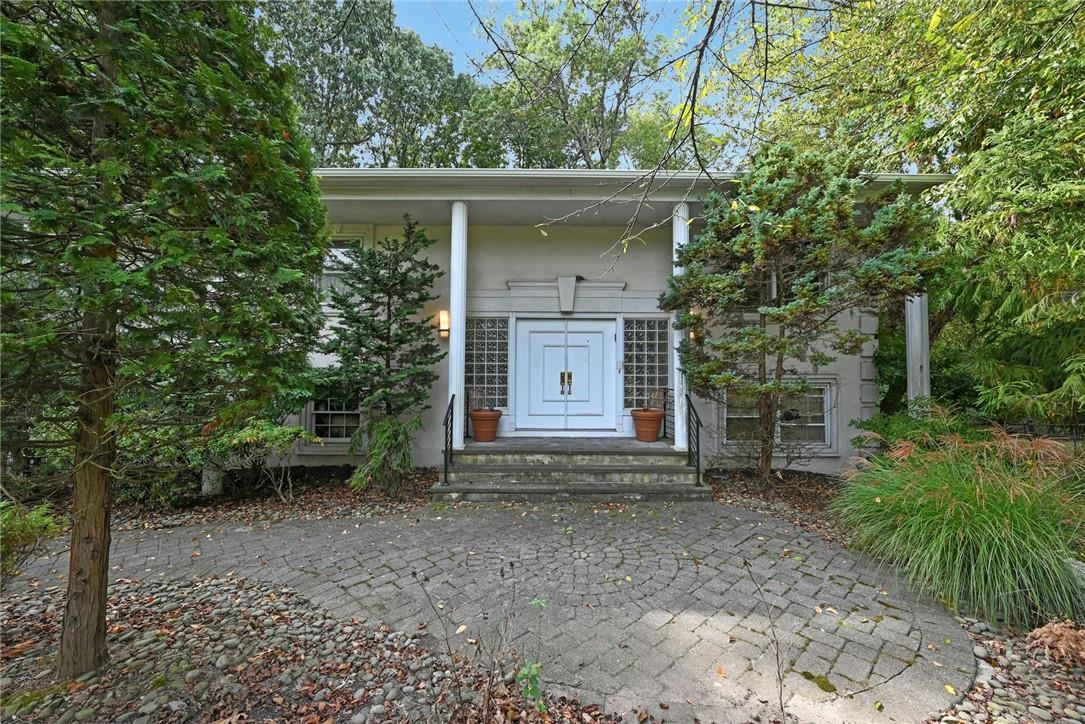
(590, 472)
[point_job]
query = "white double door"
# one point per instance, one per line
(566, 374)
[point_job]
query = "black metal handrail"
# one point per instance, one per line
(449, 412)
(693, 437)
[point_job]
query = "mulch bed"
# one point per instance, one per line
(231, 650)
(799, 497)
(328, 497)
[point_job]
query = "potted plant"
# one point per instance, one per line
(648, 420)
(484, 423)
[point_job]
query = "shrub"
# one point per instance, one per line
(986, 521)
(388, 453)
(261, 447)
(23, 531)
(924, 429)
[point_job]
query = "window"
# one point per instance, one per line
(486, 363)
(803, 418)
(330, 277)
(646, 362)
(335, 418)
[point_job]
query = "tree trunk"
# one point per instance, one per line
(82, 636)
(211, 479)
(768, 438)
(82, 639)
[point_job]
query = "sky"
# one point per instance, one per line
(451, 25)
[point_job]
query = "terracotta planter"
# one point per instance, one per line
(484, 424)
(647, 422)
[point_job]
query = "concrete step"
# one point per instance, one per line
(550, 457)
(570, 490)
(630, 474)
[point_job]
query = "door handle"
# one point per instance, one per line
(561, 377)
(569, 378)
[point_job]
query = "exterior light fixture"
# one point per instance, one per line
(442, 324)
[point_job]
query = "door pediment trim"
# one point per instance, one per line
(536, 285)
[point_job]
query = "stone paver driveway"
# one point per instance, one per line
(647, 606)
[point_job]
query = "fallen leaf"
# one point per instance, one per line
(461, 629)
(951, 690)
(721, 672)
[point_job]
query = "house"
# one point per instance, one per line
(549, 310)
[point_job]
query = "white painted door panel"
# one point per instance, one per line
(581, 351)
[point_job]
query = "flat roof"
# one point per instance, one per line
(516, 196)
(632, 180)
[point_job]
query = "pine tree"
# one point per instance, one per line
(161, 229)
(386, 348)
(795, 245)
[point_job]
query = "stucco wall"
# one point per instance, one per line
(497, 255)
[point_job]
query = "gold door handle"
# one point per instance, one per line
(569, 379)
(561, 376)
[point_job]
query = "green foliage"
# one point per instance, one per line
(25, 530)
(161, 228)
(388, 452)
(371, 93)
(528, 676)
(922, 425)
(260, 447)
(385, 346)
(798, 247)
(985, 521)
(993, 95)
(575, 77)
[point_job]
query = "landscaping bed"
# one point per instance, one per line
(319, 493)
(231, 650)
(800, 497)
(1017, 683)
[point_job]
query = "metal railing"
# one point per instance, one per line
(449, 412)
(693, 437)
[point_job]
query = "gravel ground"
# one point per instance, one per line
(1016, 684)
(230, 650)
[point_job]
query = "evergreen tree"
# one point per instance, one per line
(161, 231)
(794, 247)
(386, 349)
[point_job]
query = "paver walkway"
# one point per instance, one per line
(647, 606)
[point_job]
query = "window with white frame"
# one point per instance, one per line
(331, 277)
(335, 418)
(803, 417)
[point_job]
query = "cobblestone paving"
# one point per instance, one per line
(650, 606)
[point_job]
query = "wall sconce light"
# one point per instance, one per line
(443, 325)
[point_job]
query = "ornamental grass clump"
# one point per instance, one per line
(990, 524)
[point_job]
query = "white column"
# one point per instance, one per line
(457, 312)
(679, 238)
(917, 341)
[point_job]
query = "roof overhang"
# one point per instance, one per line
(530, 196)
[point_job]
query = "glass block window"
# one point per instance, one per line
(335, 418)
(803, 418)
(646, 360)
(487, 362)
